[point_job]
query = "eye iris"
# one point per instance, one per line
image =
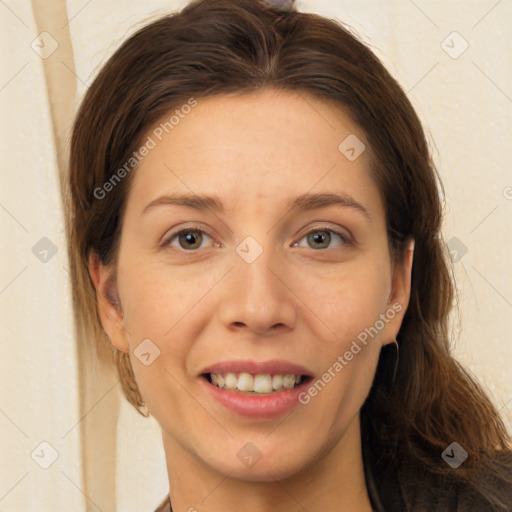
(320, 237)
(192, 239)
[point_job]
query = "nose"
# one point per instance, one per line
(258, 298)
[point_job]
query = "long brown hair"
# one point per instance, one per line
(217, 47)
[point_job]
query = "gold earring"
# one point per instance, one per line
(397, 359)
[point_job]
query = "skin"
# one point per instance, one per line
(301, 300)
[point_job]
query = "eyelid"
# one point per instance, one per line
(168, 237)
(345, 239)
(344, 234)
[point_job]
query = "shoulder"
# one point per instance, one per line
(164, 506)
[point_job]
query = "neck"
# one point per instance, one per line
(334, 481)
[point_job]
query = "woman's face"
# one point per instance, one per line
(281, 268)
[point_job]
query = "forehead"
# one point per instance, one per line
(264, 145)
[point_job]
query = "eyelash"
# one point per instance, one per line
(344, 238)
(170, 238)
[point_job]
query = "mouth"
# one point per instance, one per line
(256, 390)
(255, 384)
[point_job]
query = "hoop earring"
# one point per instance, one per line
(397, 359)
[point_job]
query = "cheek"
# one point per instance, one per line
(167, 306)
(348, 299)
(162, 307)
(350, 303)
(157, 297)
(351, 308)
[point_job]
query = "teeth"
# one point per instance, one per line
(277, 382)
(245, 382)
(263, 383)
(289, 381)
(231, 381)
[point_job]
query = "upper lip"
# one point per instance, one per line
(274, 367)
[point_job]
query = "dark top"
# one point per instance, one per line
(407, 490)
(423, 496)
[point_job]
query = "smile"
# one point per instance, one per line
(260, 384)
(258, 390)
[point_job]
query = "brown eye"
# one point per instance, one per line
(319, 239)
(323, 238)
(188, 239)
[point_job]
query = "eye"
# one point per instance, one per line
(188, 239)
(322, 238)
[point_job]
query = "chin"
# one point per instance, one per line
(253, 465)
(261, 471)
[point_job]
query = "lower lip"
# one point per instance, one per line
(256, 406)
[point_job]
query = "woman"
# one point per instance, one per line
(254, 209)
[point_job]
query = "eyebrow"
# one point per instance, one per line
(302, 203)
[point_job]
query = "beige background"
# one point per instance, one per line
(465, 103)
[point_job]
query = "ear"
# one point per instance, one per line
(108, 304)
(399, 295)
